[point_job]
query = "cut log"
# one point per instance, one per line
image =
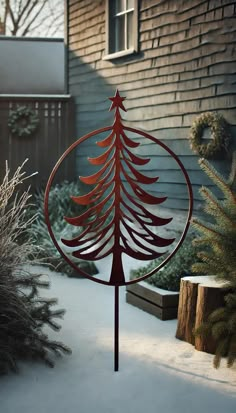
(199, 296)
(187, 310)
(209, 299)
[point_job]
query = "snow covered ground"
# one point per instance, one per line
(157, 373)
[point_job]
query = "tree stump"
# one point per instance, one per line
(199, 296)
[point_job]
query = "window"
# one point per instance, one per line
(122, 27)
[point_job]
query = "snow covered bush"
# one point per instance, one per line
(23, 312)
(60, 204)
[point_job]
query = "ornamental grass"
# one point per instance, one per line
(23, 311)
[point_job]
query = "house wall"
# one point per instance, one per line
(31, 66)
(186, 65)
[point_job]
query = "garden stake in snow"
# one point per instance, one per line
(116, 220)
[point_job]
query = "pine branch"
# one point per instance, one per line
(232, 351)
(218, 315)
(209, 230)
(219, 330)
(218, 179)
(218, 257)
(221, 351)
(208, 266)
(230, 300)
(216, 209)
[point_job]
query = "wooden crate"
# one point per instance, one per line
(160, 303)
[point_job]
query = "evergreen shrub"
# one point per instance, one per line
(23, 311)
(60, 205)
(217, 255)
(169, 276)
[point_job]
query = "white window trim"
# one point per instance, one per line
(125, 52)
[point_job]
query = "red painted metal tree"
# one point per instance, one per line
(117, 220)
(117, 184)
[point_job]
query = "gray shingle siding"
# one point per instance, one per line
(186, 65)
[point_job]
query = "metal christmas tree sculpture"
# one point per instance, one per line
(117, 220)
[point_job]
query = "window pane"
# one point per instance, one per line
(120, 33)
(130, 4)
(130, 31)
(120, 5)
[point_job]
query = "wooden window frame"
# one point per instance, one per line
(109, 55)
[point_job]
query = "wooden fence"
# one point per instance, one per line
(55, 132)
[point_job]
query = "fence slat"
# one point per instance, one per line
(55, 132)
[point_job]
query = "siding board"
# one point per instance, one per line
(186, 66)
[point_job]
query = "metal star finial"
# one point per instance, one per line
(117, 101)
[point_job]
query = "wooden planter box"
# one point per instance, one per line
(160, 303)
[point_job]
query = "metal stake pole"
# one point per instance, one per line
(116, 330)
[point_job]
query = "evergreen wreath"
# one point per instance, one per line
(219, 134)
(23, 121)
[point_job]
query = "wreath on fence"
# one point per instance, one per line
(23, 121)
(220, 137)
